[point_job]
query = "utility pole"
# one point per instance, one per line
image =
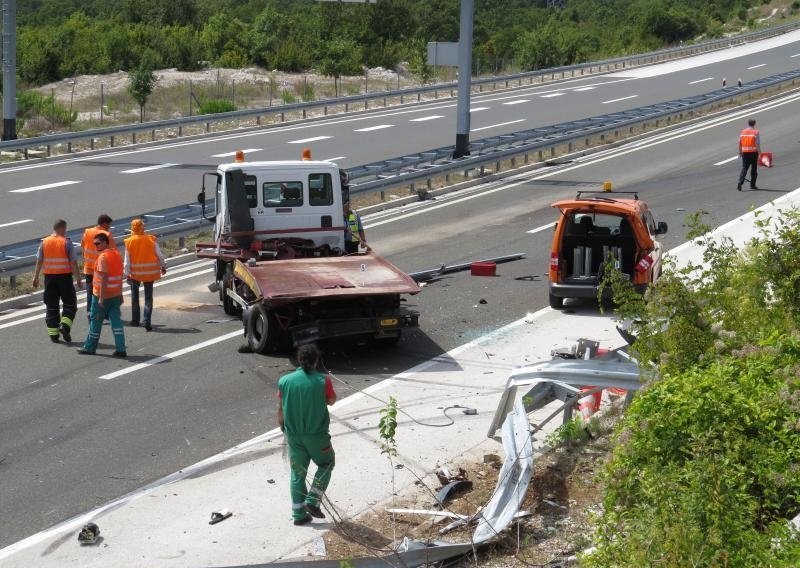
(464, 77)
(9, 69)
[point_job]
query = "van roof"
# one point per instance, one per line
(279, 165)
(609, 204)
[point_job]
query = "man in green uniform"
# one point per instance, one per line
(304, 396)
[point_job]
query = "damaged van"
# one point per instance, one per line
(596, 227)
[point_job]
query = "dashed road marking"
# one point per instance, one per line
(371, 128)
(757, 66)
(551, 95)
(147, 168)
(312, 139)
(726, 161)
(497, 125)
(622, 99)
(701, 80)
(229, 154)
(426, 118)
(15, 223)
(45, 186)
(517, 102)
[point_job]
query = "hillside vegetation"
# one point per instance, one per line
(63, 38)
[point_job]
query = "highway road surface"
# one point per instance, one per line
(77, 431)
(130, 182)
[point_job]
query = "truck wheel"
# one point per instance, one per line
(263, 332)
(556, 302)
(228, 305)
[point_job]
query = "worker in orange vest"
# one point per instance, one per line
(749, 148)
(106, 297)
(56, 258)
(144, 264)
(90, 252)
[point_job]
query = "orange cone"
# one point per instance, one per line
(765, 159)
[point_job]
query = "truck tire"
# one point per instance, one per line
(262, 330)
(556, 302)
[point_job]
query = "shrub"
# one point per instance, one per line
(32, 104)
(215, 106)
(287, 97)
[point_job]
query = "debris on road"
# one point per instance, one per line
(219, 516)
(89, 534)
(434, 273)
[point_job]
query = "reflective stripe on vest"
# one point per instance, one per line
(748, 140)
(54, 255)
(109, 262)
(89, 252)
(145, 266)
(352, 224)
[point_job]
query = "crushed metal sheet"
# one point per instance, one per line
(451, 489)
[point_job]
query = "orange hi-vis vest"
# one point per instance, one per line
(54, 255)
(89, 252)
(145, 266)
(748, 140)
(109, 262)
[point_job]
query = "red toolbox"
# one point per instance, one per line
(483, 269)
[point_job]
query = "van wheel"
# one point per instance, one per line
(556, 302)
(263, 332)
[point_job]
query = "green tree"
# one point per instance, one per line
(142, 80)
(339, 57)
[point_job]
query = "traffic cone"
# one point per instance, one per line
(765, 159)
(589, 404)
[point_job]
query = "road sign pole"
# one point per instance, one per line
(464, 77)
(9, 69)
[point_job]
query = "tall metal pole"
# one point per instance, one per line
(464, 77)
(9, 69)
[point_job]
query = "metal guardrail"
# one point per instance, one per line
(111, 133)
(180, 221)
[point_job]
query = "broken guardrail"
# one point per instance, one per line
(176, 125)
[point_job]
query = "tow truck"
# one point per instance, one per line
(280, 260)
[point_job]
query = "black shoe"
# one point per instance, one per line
(304, 521)
(753, 187)
(133, 323)
(83, 351)
(54, 338)
(315, 511)
(739, 187)
(65, 332)
(148, 327)
(119, 354)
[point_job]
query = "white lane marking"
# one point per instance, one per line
(15, 223)
(171, 356)
(690, 130)
(498, 125)
(551, 95)
(147, 168)
(621, 99)
(478, 109)
(581, 89)
(726, 161)
(45, 186)
(757, 66)
(334, 159)
(306, 140)
(229, 154)
(795, 55)
(540, 229)
(371, 128)
(701, 80)
(517, 102)
(426, 118)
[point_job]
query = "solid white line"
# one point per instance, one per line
(371, 128)
(426, 118)
(312, 139)
(551, 95)
(334, 159)
(517, 102)
(581, 89)
(171, 356)
(229, 154)
(757, 66)
(540, 229)
(795, 55)
(46, 186)
(726, 161)
(622, 99)
(497, 125)
(15, 223)
(147, 168)
(701, 80)
(478, 109)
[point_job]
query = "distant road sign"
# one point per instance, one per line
(443, 53)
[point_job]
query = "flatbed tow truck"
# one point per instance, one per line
(279, 231)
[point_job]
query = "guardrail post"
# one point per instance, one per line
(153, 135)
(526, 157)
(569, 147)
(69, 147)
(513, 161)
(325, 110)
(208, 126)
(304, 113)
(412, 189)
(283, 117)
(497, 166)
(383, 196)
(133, 137)
(419, 97)
(48, 150)
(111, 141)
(541, 156)
(447, 179)
(181, 242)
(12, 282)
(180, 131)
(384, 102)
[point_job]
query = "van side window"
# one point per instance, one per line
(283, 193)
(648, 220)
(320, 189)
(251, 191)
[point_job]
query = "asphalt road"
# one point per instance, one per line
(76, 431)
(130, 182)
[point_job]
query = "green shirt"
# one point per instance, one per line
(304, 402)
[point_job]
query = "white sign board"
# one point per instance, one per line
(443, 53)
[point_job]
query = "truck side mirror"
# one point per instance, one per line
(661, 229)
(201, 197)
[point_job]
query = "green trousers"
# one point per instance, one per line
(304, 448)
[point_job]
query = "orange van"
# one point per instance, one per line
(594, 227)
